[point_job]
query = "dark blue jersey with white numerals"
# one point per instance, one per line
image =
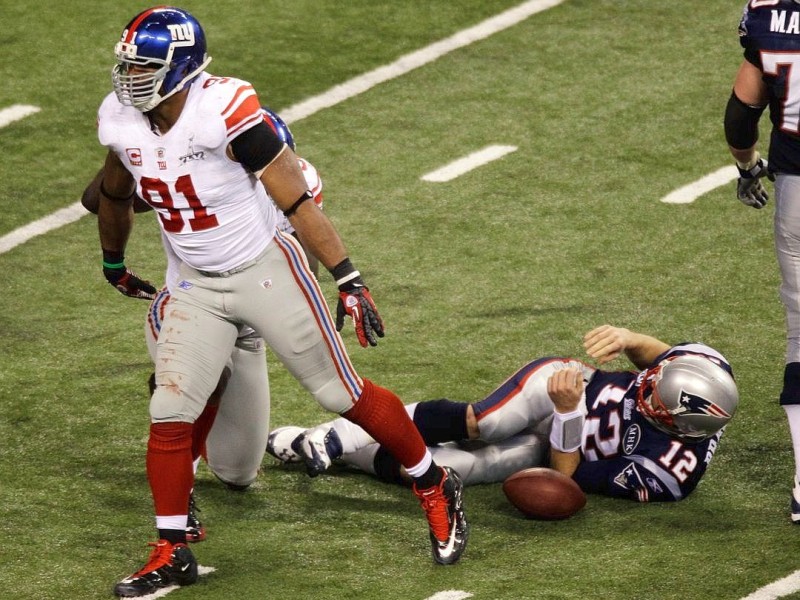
(770, 35)
(627, 457)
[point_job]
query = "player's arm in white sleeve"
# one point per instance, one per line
(314, 184)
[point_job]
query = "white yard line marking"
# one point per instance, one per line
(778, 589)
(691, 192)
(201, 570)
(15, 112)
(409, 62)
(53, 221)
(450, 595)
(466, 164)
(344, 91)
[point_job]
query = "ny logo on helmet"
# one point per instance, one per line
(181, 32)
(691, 403)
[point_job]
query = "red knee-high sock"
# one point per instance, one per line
(169, 467)
(201, 428)
(382, 415)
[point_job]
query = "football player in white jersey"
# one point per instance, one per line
(196, 148)
(234, 446)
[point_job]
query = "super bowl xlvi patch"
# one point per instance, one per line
(631, 438)
(629, 478)
(185, 285)
(191, 153)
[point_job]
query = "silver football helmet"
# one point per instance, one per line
(689, 397)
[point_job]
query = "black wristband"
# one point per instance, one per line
(343, 268)
(346, 276)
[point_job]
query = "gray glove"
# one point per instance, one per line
(749, 188)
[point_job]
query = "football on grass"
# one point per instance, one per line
(541, 493)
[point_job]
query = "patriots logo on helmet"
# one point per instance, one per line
(692, 403)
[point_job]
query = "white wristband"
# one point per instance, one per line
(348, 277)
(567, 431)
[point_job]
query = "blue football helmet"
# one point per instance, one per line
(279, 126)
(169, 44)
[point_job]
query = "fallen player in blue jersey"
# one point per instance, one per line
(647, 435)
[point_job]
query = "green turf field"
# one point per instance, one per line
(611, 103)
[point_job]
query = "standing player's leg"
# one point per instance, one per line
(195, 531)
(787, 248)
(193, 347)
(291, 315)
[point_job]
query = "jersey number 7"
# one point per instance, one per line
(775, 62)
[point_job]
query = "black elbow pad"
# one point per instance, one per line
(741, 123)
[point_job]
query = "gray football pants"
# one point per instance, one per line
(787, 249)
(280, 299)
(236, 444)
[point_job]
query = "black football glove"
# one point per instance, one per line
(749, 188)
(356, 301)
(126, 281)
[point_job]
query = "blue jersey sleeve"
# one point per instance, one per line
(628, 477)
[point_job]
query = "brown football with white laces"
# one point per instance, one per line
(546, 494)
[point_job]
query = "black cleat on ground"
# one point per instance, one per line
(195, 532)
(444, 507)
(168, 565)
